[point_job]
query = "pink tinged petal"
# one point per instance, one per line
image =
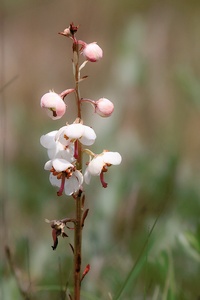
(60, 110)
(54, 104)
(88, 136)
(113, 158)
(60, 164)
(49, 100)
(104, 107)
(92, 52)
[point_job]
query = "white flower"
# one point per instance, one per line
(64, 175)
(55, 149)
(99, 164)
(70, 133)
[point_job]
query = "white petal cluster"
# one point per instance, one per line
(55, 149)
(65, 146)
(60, 168)
(60, 145)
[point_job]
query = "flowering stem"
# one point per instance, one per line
(65, 151)
(77, 250)
(78, 223)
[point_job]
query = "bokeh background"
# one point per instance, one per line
(151, 71)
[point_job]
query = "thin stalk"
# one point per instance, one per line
(77, 77)
(77, 250)
(78, 223)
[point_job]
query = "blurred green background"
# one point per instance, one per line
(151, 72)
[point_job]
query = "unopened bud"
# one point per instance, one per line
(104, 107)
(54, 104)
(66, 32)
(92, 52)
(69, 31)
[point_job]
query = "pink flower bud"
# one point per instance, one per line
(92, 52)
(54, 104)
(104, 107)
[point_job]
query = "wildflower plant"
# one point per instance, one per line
(66, 147)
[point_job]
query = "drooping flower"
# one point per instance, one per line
(64, 175)
(54, 105)
(58, 228)
(55, 149)
(104, 107)
(92, 52)
(99, 165)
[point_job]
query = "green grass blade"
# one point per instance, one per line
(137, 267)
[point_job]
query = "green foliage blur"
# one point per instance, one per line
(142, 235)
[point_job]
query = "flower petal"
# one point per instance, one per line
(73, 184)
(54, 180)
(88, 136)
(60, 136)
(113, 158)
(74, 131)
(48, 140)
(60, 164)
(92, 52)
(95, 166)
(48, 165)
(87, 176)
(54, 104)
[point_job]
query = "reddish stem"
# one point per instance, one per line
(78, 149)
